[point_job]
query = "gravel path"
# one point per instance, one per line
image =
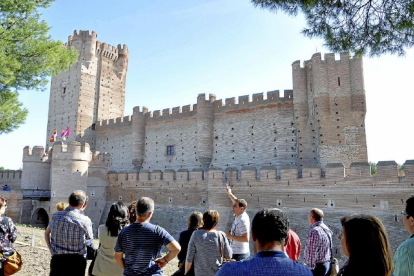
(36, 261)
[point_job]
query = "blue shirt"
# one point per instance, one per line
(274, 263)
(141, 244)
(404, 258)
(70, 232)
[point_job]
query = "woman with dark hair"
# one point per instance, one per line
(105, 264)
(195, 221)
(365, 241)
(207, 247)
(8, 234)
(132, 213)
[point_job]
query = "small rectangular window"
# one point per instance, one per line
(170, 150)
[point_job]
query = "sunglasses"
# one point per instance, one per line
(404, 213)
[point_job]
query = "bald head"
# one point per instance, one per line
(317, 214)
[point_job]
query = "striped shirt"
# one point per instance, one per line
(317, 249)
(70, 232)
(404, 258)
(204, 250)
(141, 244)
(241, 225)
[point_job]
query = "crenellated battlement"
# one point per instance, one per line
(186, 111)
(115, 122)
(81, 36)
(309, 175)
(327, 59)
(10, 174)
(98, 159)
(257, 99)
(111, 52)
(269, 175)
(73, 150)
(37, 154)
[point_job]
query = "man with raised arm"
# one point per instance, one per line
(269, 234)
(141, 243)
(239, 233)
(67, 236)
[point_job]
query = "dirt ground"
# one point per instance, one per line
(36, 261)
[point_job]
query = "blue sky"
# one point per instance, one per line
(179, 49)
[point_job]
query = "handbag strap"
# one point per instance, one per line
(330, 242)
(219, 241)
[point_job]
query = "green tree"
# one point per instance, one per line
(401, 169)
(11, 112)
(28, 56)
(372, 27)
(373, 168)
(2, 169)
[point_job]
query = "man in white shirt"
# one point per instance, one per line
(239, 233)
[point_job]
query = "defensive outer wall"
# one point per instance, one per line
(177, 193)
(303, 150)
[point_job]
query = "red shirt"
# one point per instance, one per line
(293, 245)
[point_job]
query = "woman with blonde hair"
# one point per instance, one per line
(207, 247)
(365, 241)
(62, 206)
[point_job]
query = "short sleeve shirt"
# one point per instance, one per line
(70, 232)
(141, 244)
(241, 225)
(404, 258)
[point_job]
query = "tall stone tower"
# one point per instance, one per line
(329, 110)
(92, 90)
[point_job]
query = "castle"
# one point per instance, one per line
(305, 149)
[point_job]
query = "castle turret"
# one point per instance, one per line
(92, 90)
(97, 183)
(138, 132)
(69, 170)
(304, 113)
(205, 129)
(36, 168)
(331, 126)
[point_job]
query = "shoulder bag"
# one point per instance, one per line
(13, 263)
(223, 259)
(334, 261)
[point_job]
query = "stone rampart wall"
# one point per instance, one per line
(11, 178)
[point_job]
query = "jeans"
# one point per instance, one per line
(322, 269)
(241, 257)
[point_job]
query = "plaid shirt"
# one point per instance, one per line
(70, 232)
(317, 249)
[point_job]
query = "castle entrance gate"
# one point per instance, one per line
(40, 218)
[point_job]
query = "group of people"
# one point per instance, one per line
(131, 245)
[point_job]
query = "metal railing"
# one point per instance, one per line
(37, 194)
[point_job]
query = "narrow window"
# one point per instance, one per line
(170, 150)
(339, 81)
